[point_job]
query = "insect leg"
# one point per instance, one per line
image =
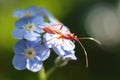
(61, 26)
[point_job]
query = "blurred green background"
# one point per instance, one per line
(104, 61)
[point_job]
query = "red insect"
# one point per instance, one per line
(67, 35)
(53, 30)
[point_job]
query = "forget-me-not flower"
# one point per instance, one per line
(62, 47)
(32, 11)
(28, 28)
(30, 55)
(29, 12)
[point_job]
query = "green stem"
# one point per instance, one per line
(42, 75)
(58, 63)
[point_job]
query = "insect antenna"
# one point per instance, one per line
(86, 57)
(89, 38)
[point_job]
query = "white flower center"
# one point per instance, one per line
(29, 53)
(58, 39)
(30, 27)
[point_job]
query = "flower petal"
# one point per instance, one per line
(19, 62)
(21, 23)
(43, 12)
(33, 44)
(42, 51)
(31, 36)
(19, 13)
(34, 65)
(33, 10)
(69, 55)
(68, 45)
(20, 47)
(58, 50)
(49, 40)
(18, 33)
(37, 20)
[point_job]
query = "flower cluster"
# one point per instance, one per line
(36, 37)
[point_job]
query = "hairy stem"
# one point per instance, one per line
(42, 74)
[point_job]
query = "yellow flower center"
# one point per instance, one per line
(29, 53)
(30, 27)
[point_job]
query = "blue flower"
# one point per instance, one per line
(34, 11)
(30, 55)
(31, 11)
(28, 28)
(62, 47)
